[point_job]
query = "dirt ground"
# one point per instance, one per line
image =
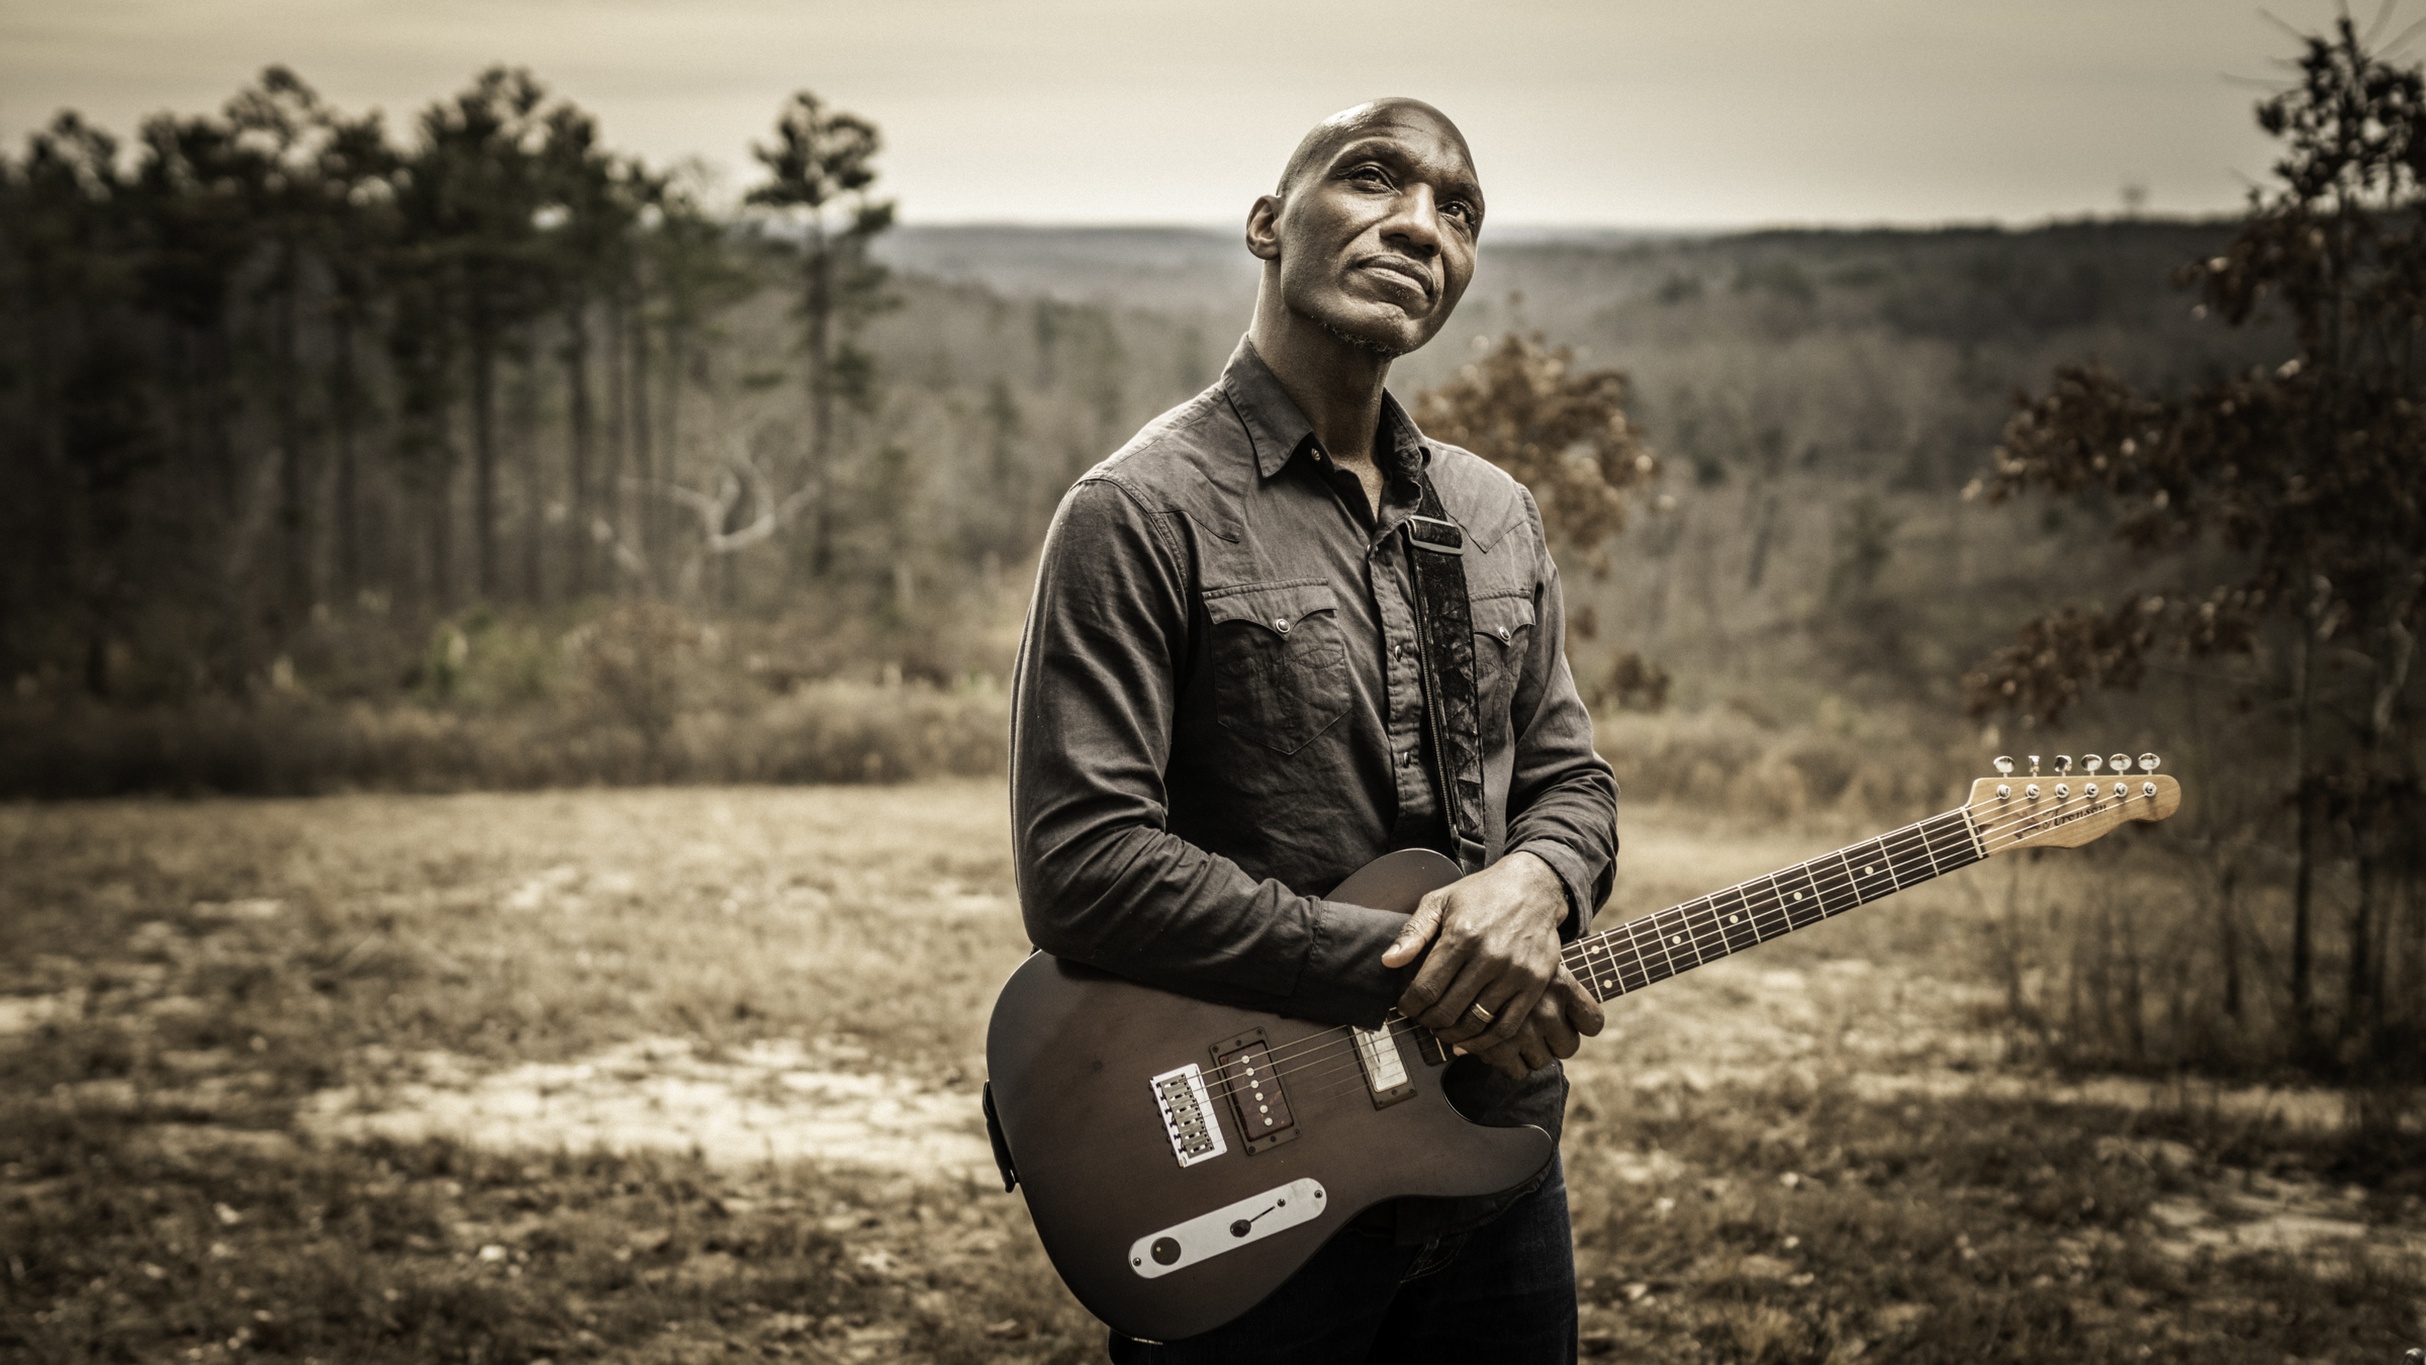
(675, 1074)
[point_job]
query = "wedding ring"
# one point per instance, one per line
(1476, 1009)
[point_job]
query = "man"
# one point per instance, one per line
(1233, 691)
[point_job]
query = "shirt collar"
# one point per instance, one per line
(1278, 431)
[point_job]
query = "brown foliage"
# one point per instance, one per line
(1562, 432)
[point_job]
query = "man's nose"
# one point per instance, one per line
(1414, 225)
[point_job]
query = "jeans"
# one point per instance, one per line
(1503, 1292)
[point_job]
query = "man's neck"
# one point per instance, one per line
(1335, 382)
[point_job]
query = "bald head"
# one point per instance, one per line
(1328, 136)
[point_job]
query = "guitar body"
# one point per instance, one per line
(1073, 1055)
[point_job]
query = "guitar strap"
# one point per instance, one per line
(1444, 630)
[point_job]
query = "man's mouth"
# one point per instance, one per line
(1415, 276)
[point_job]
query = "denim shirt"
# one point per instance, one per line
(1218, 716)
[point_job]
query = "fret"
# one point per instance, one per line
(1634, 968)
(1703, 927)
(1871, 872)
(1801, 893)
(1734, 916)
(1676, 935)
(1764, 907)
(1833, 878)
(1953, 841)
(1650, 957)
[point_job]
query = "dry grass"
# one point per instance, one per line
(1815, 1154)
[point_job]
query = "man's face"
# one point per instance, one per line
(1376, 239)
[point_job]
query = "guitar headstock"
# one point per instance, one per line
(2067, 809)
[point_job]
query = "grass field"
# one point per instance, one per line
(670, 1075)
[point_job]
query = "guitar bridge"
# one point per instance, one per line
(1187, 1115)
(1253, 1084)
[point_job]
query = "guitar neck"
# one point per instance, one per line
(1678, 939)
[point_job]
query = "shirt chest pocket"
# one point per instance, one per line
(1503, 635)
(1280, 662)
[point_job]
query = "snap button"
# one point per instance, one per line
(1281, 624)
(1505, 635)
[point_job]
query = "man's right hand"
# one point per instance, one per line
(1490, 940)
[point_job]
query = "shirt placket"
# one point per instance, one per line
(1402, 662)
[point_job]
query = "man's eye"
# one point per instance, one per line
(1369, 175)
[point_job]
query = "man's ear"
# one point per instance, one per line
(1263, 228)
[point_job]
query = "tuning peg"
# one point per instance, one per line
(2063, 764)
(2148, 763)
(2063, 791)
(2004, 765)
(2092, 762)
(2003, 792)
(2034, 765)
(2121, 762)
(2121, 792)
(2031, 791)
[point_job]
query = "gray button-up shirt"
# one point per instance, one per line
(1218, 712)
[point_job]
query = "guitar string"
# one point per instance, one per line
(1328, 1045)
(1320, 1047)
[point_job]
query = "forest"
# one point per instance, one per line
(470, 452)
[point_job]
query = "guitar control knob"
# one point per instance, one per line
(2148, 763)
(2092, 762)
(2063, 764)
(2004, 765)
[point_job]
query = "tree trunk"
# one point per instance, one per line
(643, 456)
(577, 403)
(819, 306)
(2303, 951)
(618, 411)
(484, 457)
(534, 490)
(348, 512)
(292, 520)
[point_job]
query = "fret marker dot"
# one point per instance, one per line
(1676, 938)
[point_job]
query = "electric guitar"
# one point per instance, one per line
(1181, 1159)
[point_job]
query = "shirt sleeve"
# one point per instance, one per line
(1102, 880)
(1562, 796)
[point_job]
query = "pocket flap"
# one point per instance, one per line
(1274, 606)
(1502, 617)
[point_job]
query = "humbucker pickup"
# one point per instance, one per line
(1244, 1064)
(1187, 1115)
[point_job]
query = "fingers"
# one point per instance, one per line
(1421, 926)
(1578, 1009)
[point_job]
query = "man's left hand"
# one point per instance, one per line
(1494, 943)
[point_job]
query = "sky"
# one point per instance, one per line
(1618, 113)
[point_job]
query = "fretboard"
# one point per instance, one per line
(1680, 938)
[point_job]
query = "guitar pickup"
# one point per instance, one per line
(1385, 1071)
(1244, 1064)
(1187, 1115)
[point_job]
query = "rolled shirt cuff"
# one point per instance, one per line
(1573, 875)
(1344, 981)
